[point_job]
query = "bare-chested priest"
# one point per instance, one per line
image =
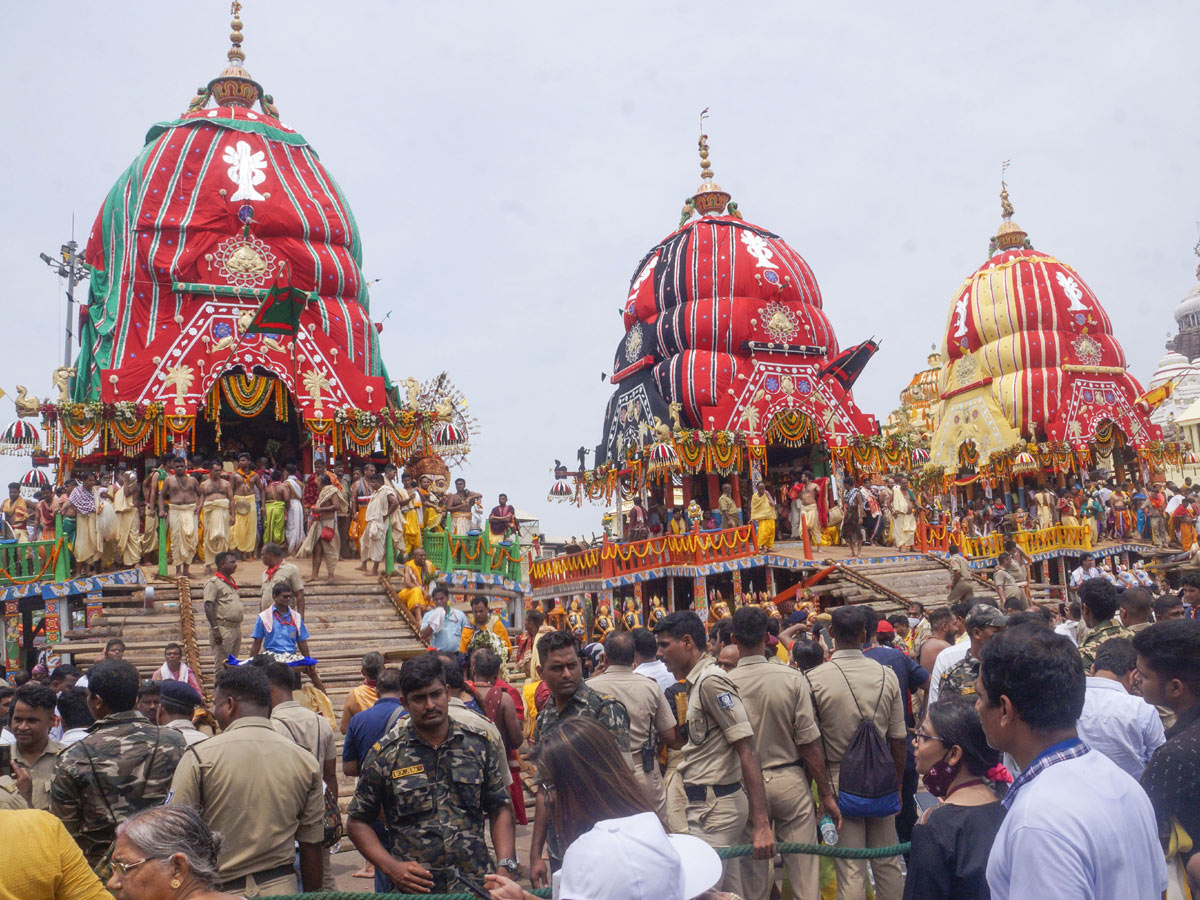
(243, 536)
(459, 506)
(177, 504)
(216, 497)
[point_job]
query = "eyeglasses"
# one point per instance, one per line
(728, 667)
(922, 737)
(124, 867)
(546, 786)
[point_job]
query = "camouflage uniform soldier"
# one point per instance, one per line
(123, 765)
(1099, 601)
(983, 622)
(433, 783)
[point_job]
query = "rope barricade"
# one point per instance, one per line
(723, 852)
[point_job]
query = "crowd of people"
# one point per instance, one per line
(110, 519)
(936, 730)
(884, 510)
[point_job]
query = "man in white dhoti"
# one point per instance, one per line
(179, 494)
(373, 542)
(904, 520)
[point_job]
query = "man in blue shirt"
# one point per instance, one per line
(280, 630)
(443, 625)
(366, 729)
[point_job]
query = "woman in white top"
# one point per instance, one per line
(617, 848)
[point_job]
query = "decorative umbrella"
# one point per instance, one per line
(36, 479)
(19, 437)
(450, 439)
(1024, 463)
(561, 490)
(663, 458)
(920, 456)
(1190, 457)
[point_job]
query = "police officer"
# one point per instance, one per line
(650, 718)
(31, 718)
(223, 608)
(721, 773)
(779, 705)
(433, 781)
(983, 622)
(122, 766)
(250, 768)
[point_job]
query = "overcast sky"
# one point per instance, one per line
(509, 164)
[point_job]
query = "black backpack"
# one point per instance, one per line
(867, 784)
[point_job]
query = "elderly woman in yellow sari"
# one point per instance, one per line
(322, 543)
(418, 574)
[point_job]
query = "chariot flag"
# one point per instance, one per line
(280, 312)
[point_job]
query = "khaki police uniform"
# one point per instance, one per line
(229, 613)
(10, 797)
(846, 689)
(649, 717)
(965, 589)
(41, 774)
(779, 705)
(285, 573)
(262, 792)
(314, 733)
(676, 696)
(718, 808)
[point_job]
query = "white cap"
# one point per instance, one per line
(635, 859)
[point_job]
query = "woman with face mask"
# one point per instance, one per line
(951, 842)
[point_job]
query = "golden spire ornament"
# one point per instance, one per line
(709, 199)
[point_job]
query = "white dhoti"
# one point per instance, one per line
(128, 541)
(184, 535)
(149, 531)
(87, 538)
(811, 517)
(373, 541)
(215, 513)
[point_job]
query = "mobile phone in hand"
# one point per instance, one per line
(473, 885)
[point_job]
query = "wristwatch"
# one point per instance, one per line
(509, 862)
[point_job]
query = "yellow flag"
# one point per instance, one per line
(3, 393)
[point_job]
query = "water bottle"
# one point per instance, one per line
(829, 832)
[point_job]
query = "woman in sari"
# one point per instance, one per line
(322, 540)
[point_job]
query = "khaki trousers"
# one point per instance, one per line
(284, 884)
(852, 873)
(722, 822)
(657, 792)
(793, 817)
(231, 642)
(676, 801)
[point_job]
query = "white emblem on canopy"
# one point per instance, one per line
(245, 170)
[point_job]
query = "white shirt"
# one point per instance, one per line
(1080, 830)
(1080, 575)
(1070, 629)
(950, 656)
(7, 737)
(657, 669)
(1173, 503)
(72, 735)
(1124, 728)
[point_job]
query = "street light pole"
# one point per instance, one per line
(73, 269)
